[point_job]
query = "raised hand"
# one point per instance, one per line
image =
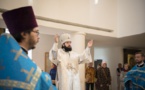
(90, 43)
(56, 38)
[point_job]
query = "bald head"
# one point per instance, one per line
(104, 64)
(90, 64)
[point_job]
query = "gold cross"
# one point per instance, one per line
(7, 36)
(70, 67)
(47, 78)
(30, 74)
(18, 54)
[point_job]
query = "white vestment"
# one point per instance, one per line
(68, 66)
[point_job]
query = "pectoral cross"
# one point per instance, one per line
(70, 67)
(18, 54)
(30, 74)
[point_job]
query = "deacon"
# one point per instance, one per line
(135, 78)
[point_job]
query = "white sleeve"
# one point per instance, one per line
(53, 54)
(121, 76)
(85, 57)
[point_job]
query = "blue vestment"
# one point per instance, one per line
(135, 78)
(18, 71)
(53, 73)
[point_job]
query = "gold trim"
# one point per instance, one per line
(18, 54)
(35, 78)
(51, 87)
(139, 86)
(141, 71)
(13, 83)
(22, 85)
(139, 78)
(29, 73)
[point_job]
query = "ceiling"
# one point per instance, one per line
(99, 15)
(135, 41)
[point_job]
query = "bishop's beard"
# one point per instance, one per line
(66, 49)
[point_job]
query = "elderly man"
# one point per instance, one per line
(17, 70)
(68, 62)
(104, 77)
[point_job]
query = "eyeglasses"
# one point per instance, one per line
(37, 32)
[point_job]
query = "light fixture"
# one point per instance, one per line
(96, 1)
(30, 2)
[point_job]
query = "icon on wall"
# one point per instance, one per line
(129, 56)
(2, 30)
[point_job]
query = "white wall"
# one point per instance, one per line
(6, 4)
(124, 17)
(44, 45)
(112, 56)
(78, 11)
(104, 14)
(131, 17)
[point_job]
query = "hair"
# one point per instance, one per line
(66, 49)
(54, 65)
(18, 37)
(119, 64)
(142, 54)
(63, 45)
(126, 64)
(99, 64)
